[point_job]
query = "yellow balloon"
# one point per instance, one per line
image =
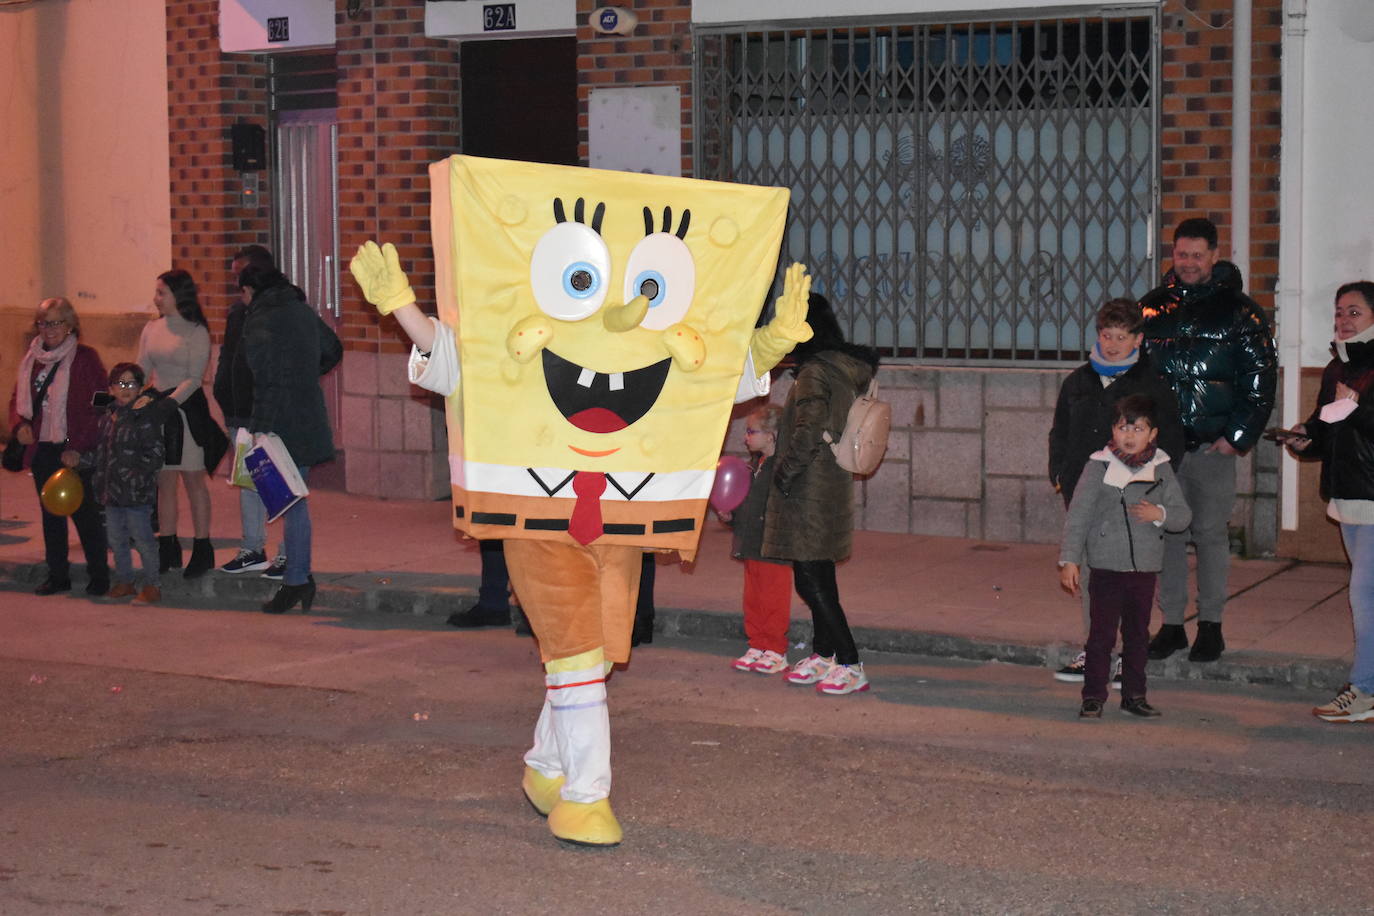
(62, 494)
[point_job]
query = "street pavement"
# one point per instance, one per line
(1286, 622)
(200, 757)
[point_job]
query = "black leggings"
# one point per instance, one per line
(815, 583)
(89, 520)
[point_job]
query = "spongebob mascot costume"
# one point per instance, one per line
(594, 329)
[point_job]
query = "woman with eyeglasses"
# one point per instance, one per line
(175, 349)
(52, 415)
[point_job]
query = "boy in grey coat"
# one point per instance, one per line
(1126, 498)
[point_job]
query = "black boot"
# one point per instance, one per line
(643, 629)
(202, 559)
(1170, 638)
(1209, 645)
(289, 595)
(477, 615)
(169, 552)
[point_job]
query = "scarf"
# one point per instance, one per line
(55, 420)
(1363, 337)
(1108, 369)
(1134, 462)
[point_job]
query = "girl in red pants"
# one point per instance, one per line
(767, 583)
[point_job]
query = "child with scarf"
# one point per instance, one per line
(1126, 497)
(1086, 407)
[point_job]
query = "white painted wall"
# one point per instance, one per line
(84, 176)
(243, 24)
(1338, 162)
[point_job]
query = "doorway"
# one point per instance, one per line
(520, 99)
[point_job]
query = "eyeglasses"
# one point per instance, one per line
(750, 431)
(126, 383)
(49, 325)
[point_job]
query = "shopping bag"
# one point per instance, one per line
(238, 471)
(275, 476)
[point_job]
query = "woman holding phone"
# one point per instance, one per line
(1341, 433)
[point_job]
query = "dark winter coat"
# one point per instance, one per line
(810, 513)
(1346, 448)
(233, 385)
(130, 453)
(1212, 343)
(747, 520)
(282, 346)
(1083, 419)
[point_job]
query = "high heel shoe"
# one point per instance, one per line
(288, 595)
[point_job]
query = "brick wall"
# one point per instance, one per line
(398, 111)
(1197, 53)
(659, 53)
(207, 92)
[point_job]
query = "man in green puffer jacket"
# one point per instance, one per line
(1213, 345)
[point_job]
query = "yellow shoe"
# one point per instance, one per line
(540, 790)
(586, 824)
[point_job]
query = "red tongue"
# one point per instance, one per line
(597, 420)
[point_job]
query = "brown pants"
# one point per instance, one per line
(577, 598)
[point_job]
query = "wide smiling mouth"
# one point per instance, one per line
(601, 402)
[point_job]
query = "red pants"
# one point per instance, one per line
(767, 604)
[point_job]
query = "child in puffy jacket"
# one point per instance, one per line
(767, 583)
(126, 462)
(1126, 498)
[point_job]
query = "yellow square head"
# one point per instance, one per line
(603, 317)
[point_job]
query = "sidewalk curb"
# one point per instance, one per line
(421, 595)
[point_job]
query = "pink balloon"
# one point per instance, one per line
(731, 485)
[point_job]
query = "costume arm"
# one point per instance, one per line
(788, 328)
(751, 384)
(437, 370)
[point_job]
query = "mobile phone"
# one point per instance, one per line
(1279, 434)
(102, 399)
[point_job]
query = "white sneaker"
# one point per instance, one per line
(1350, 705)
(746, 661)
(810, 669)
(770, 662)
(842, 679)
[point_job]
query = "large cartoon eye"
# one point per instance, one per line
(661, 268)
(569, 272)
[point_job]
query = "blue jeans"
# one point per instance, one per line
(297, 524)
(251, 513)
(132, 523)
(1359, 546)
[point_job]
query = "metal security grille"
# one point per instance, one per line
(966, 191)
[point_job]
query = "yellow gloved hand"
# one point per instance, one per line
(379, 275)
(788, 328)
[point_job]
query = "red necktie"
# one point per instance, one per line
(585, 524)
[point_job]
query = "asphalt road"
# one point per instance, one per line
(201, 761)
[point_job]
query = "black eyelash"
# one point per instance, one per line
(579, 213)
(667, 222)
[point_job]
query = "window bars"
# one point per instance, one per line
(967, 192)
